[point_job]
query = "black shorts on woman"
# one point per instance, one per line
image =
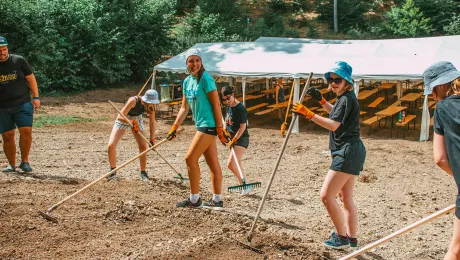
(347, 149)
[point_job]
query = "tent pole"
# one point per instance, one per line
(267, 84)
(295, 128)
(399, 89)
(243, 83)
(153, 85)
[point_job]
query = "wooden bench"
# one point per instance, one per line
(266, 111)
(430, 103)
(376, 102)
(249, 109)
(332, 101)
(371, 121)
(406, 122)
(397, 103)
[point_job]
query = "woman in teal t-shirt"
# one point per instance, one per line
(200, 95)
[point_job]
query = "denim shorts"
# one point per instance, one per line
(349, 158)
(21, 116)
(208, 130)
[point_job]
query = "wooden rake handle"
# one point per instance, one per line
(151, 75)
(289, 102)
(399, 232)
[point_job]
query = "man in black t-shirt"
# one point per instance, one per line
(17, 82)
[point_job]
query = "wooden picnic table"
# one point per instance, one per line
(386, 85)
(250, 97)
(411, 97)
(285, 103)
(390, 111)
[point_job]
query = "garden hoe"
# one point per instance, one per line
(284, 125)
(47, 214)
(179, 176)
(286, 139)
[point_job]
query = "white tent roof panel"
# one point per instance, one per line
(398, 59)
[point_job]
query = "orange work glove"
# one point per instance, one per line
(302, 110)
(224, 137)
(172, 132)
(135, 126)
(232, 142)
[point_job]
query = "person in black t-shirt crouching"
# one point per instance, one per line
(442, 80)
(17, 82)
(133, 110)
(236, 123)
(347, 150)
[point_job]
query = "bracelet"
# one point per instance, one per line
(36, 98)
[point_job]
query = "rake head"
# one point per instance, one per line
(180, 177)
(47, 215)
(244, 186)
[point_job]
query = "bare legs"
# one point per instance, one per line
(115, 137)
(454, 248)
(342, 184)
(203, 144)
(25, 142)
(239, 151)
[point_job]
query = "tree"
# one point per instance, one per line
(407, 21)
(440, 12)
(350, 13)
(453, 28)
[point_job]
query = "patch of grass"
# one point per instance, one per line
(49, 120)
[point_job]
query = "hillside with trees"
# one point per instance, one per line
(76, 45)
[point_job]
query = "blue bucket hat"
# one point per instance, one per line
(437, 74)
(342, 69)
(3, 41)
(151, 97)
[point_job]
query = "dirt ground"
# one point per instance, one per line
(131, 219)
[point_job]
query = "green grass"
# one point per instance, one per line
(50, 120)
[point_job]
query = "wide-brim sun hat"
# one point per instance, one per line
(437, 74)
(342, 69)
(3, 41)
(151, 97)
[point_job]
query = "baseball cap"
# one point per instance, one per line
(3, 41)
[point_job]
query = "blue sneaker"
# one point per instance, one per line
(9, 169)
(337, 242)
(25, 167)
(188, 204)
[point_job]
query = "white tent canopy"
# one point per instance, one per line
(399, 59)
(396, 59)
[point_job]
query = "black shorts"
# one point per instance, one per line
(349, 158)
(207, 130)
(243, 141)
(457, 206)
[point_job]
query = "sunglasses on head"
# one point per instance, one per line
(227, 97)
(334, 80)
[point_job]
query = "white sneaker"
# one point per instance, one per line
(247, 190)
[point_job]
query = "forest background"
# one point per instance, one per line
(78, 45)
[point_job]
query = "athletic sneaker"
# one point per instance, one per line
(112, 176)
(353, 243)
(211, 204)
(337, 242)
(9, 169)
(144, 176)
(246, 190)
(188, 204)
(25, 167)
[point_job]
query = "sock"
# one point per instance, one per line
(354, 239)
(217, 197)
(342, 237)
(194, 197)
